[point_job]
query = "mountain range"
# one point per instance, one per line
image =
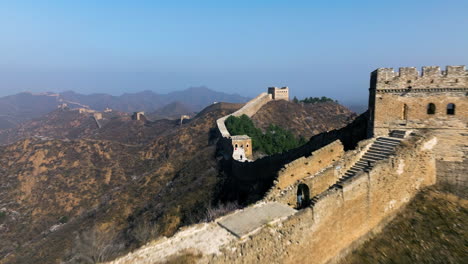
(15, 109)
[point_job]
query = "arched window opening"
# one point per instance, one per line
(405, 112)
(303, 196)
(236, 145)
(431, 109)
(450, 109)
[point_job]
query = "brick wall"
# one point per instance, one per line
(341, 218)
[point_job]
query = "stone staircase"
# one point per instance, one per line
(379, 150)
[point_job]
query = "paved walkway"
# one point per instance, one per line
(248, 220)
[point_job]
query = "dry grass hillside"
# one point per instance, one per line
(93, 199)
(431, 229)
(303, 119)
(71, 125)
(78, 194)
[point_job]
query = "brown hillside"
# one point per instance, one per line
(431, 229)
(303, 119)
(105, 187)
(71, 125)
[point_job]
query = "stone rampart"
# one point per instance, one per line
(325, 177)
(341, 218)
(435, 100)
(249, 181)
(308, 166)
(249, 109)
(454, 77)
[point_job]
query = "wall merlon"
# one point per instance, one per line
(431, 71)
(456, 71)
(408, 72)
(429, 77)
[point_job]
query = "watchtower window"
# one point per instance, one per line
(405, 112)
(431, 108)
(451, 109)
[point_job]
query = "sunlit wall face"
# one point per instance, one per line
(314, 48)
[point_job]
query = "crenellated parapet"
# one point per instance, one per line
(409, 78)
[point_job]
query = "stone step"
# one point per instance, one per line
(377, 153)
(386, 139)
(370, 157)
(381, 148)
(384, 150)
(385, 144)
(360, 165)
(397, 133)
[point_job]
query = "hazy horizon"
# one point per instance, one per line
(317, 49)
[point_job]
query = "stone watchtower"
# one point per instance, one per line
(406, 100)
(242, 147)
(279, 93)
(138, 115)
(434, 100)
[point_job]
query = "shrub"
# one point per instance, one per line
(63, 219)
(313, 100)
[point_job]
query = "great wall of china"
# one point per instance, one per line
(322, 200)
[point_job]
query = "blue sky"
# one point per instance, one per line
(314, 47)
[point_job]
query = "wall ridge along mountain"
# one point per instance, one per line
(347, 184)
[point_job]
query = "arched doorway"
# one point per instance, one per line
(303, 196)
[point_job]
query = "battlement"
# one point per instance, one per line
(279, 93)
(429, 77)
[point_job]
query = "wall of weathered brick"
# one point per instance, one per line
(308, 166)
(319, 182)
(399, 101)
(341, 218)
(249, 181)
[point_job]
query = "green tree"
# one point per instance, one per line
(274, 140)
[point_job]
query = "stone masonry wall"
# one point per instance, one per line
(308, 166)
(341, 218)
(409, 111)
(451, 153)
(400, 100)
(249, 181)
(322, 180)
(249, 109)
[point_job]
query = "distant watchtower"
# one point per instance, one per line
(138, 116)
(279, 93)
(406, 100)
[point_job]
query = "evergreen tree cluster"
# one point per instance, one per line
(274, 140)
(313, 100)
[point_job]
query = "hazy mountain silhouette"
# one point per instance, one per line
(15, 109)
